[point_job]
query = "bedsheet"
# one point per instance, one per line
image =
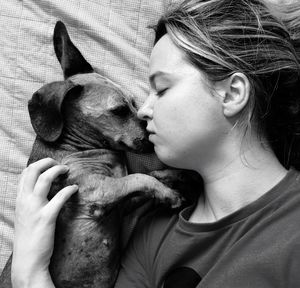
(113, 35)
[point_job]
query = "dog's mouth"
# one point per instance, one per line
(145, 146)
(138, 146)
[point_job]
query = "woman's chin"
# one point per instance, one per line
(167, 158)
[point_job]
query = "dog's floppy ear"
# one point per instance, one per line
(45, 108)
(71, 60)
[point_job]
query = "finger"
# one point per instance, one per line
(33, 171)
(45, 180)
(54, 206)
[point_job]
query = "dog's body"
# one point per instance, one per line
(84, 122)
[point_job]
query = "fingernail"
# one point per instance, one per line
(65, 167)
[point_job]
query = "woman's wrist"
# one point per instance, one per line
(35, 280)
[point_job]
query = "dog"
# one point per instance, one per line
(87, 122)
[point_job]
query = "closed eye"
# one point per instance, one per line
(161, 92)
(121, 111)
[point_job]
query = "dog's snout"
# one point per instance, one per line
(143, 124)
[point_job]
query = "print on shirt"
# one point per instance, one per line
(182, 277)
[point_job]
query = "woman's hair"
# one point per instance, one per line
(258, 39)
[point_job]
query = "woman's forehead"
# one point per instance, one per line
(166, 57)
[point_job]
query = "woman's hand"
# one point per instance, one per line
(35, 223)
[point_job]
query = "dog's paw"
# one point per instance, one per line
(167, 176)
(188, 183)
(170, 197)
(177, 200)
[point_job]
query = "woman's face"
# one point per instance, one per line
(185, 120)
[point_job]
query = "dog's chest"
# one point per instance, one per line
(97, 161)
(94, 171)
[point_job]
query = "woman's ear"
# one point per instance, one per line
(236, 94)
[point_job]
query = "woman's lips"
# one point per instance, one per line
(150, 137)
(150, 133)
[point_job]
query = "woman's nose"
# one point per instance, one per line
(146, 110)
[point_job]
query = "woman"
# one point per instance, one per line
(224, 101)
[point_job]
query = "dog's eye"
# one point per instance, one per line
(121, 111)
(134, 105)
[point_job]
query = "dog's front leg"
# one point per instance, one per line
(109, 191)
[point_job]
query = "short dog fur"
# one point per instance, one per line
(87, 122)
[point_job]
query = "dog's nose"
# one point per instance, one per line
(143, 124)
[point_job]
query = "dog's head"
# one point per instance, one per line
(86, 109)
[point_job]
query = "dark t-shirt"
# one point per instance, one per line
(257, 246)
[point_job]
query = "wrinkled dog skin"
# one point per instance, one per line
(87, 122)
